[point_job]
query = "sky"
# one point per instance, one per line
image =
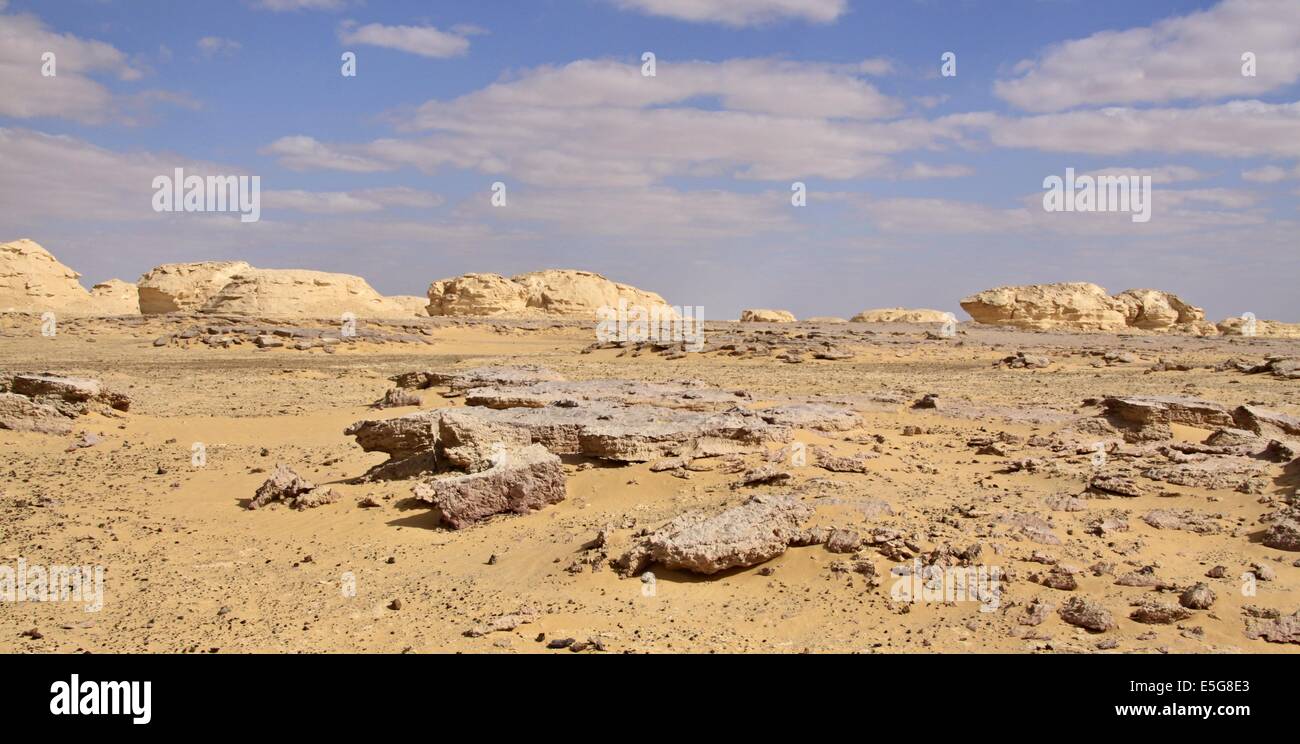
(921, 187)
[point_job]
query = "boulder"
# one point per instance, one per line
(901, 315)
(1145, 410)
(746, 535)
(33, 281)
(521, 479)
(1079, 306)
(20, 413)
(298, 293)
(767, 316)
(185, 287)
(1154, 310)
(115, 297)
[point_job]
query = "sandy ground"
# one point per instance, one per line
(189, 569)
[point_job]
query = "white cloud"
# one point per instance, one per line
(740, 12)
(1162, 174)
(1234, 129)
(347, 202)
(425, 41)
(302, 153)
(280, 6)
(1270, 174)
(71, 94)
(1193, 57)
(211, 46)
(598, 122)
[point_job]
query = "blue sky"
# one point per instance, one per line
(922, 188)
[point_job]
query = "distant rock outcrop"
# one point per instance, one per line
(185, 287)
(115, 297)
(901, 315)
(1083, 306)
(761, 315)
(301, 294)
(33, 281)
(412, 304)
(558, 292)
(1267, 328)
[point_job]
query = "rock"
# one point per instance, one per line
(1265, 328)
(1116, 484)
(70, 389)
(283, 485)
(1188, 520)
(578, 294)
(1283, 535)
(20, 413)
(413, 305)
(397, 398)
(314, 498)
(525, 479)
(741, 536)
(1087, 614)
(476, 294)
(766, 316)
(820, 416)
(185, 287)
(1023, 360)
(1155, 612)
(1059, 578)
(1153, 310)
(1265, 422)
(1280, 629)
(1197, 597)
(844, 541)
(33, 281)
(1078, 306)
(1143, 410)
(299, 293)
(115, 297)
(901, 315)
(500, 623)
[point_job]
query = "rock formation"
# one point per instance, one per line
(33, 281)
(1083, 306)
(115, 297)
(1264, 328)
(766, 316)
(185, 287)
(562, 292)
(901, 315)
(300, 294)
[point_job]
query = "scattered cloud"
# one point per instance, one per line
(740, 12)
(1192, 57)
(425, 41)
(211, 46)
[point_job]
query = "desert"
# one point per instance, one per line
(495, 479)
(349, 329)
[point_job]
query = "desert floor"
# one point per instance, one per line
(190, 569)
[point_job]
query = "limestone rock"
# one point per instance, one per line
(1154, 310)
(1067, 305)
(411, 304)
(521, 480)
(746, 535)
(185, 287)
(901, 315)
(578, 294)
(766, 316)
(1266, 328)
(1087, 614)
(20, 413)
(299, 293)
(476, 294)
(283, 485)
(33, 281)
(115, 297)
